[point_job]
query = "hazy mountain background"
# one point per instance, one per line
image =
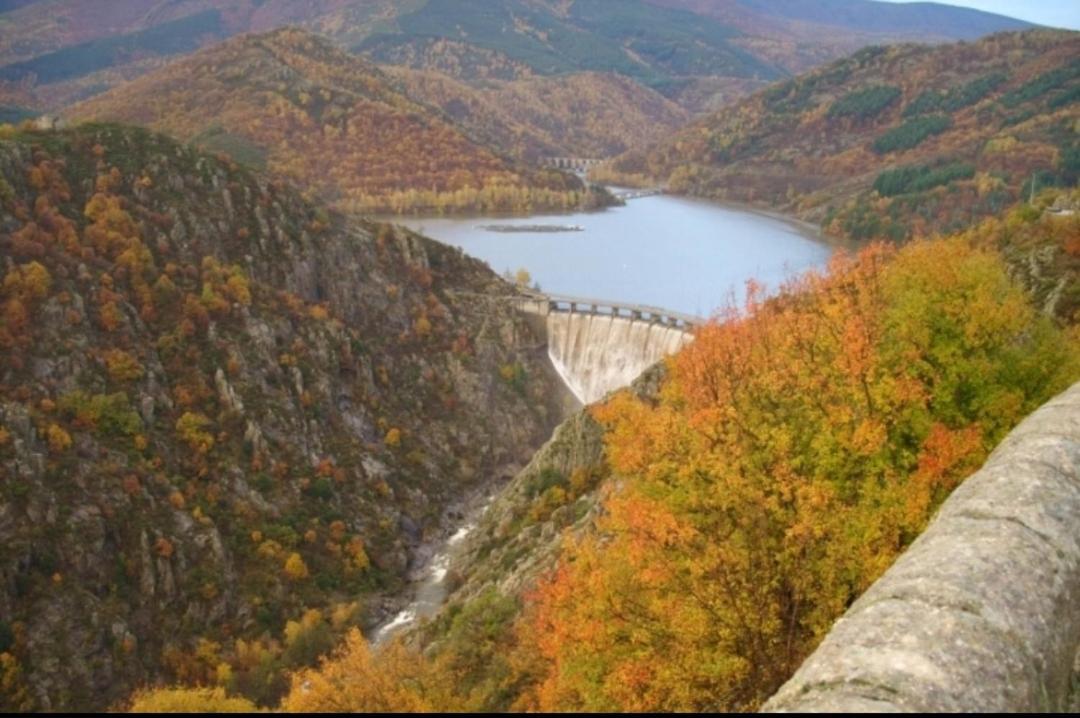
(700, 53)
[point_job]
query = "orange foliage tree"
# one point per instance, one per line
(795, 450)
(356, 680)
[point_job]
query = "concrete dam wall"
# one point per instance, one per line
(597, 353)
(597, 347)
(982, 612)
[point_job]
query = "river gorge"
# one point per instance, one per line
(683, 255)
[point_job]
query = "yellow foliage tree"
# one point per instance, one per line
(122, 366)
(14, 695)
(59, 440)
(189, 700)
(190, 427)
(353, 680)
(295, 568)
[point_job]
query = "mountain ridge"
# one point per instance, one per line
(891, 142)
(224, 409)
(295, 104)
(676, 43)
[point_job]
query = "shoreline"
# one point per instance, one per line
(803, 226)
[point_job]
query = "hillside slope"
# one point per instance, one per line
(799, 35)
(684, 545)
(222, 410)
(890, 142)
(578, 115)
(699, 51)
(653, 45)
(292, 103)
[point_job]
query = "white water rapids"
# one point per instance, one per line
(430, 586)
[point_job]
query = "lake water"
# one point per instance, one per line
(680, 254)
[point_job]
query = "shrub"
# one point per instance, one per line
(7, 636)
(295, 568)
(190, 429)
(107, 413)
(122, 366)
(514, 375)
(321, 488)
(59, 440)
(190, 700)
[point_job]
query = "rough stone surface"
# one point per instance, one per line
(980, 614)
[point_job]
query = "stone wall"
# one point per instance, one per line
(982, 613)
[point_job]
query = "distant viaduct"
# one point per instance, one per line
(578, 164)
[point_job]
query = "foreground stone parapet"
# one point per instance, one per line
(982, 612)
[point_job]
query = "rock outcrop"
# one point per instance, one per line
(222, 406)
(520, 534)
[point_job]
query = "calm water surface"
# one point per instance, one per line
(680, 254)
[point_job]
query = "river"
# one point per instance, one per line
(685, 255)
(681, 254)
(428, 578)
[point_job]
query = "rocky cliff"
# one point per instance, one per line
(226, 415)
(556, 495)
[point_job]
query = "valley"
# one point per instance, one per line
(537, 355)
(899, 141)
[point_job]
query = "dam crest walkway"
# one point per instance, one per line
(589, 305)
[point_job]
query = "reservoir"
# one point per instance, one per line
(686, 255)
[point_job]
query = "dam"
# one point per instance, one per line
(598, 346)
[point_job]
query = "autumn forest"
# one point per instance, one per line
(263, 447)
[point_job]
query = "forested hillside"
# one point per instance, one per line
(244, 427)
(798, 35)
(228, 417)
(698, 52)
(892, 142)
(585, 114)
(654, 45)
(748, 494)
(291, 103)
